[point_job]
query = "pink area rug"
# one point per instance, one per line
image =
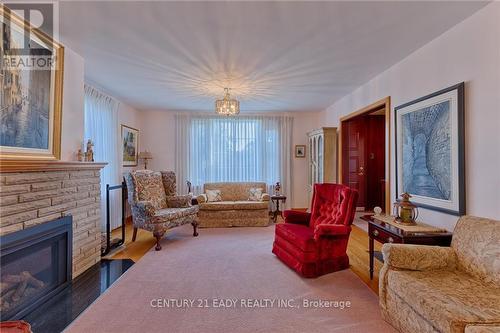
(227, 280)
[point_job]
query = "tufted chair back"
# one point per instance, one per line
(332, 204)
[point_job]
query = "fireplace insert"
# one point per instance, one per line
(36, 264)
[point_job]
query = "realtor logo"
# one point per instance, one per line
(26, 48)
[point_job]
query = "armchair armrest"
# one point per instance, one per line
(418, 257)
(265, 197)
(297, 217)
(179, 201)
(331, 230)
(202, 198)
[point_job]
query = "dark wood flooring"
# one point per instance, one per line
(55, 315)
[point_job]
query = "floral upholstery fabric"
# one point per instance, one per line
(234, 210)
(476, 242)
(149, 187)
(179, 201)
(255, 194)
(233, 205)
(443, 289)
(491, 328)
(213, 195)
(449, 299)
(419, 257)
(169, 183)
(146, 215)
(168, 214)
(233, 218)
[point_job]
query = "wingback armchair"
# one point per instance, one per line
(315, 243)
(155, 205)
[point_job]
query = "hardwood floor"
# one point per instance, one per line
(357, 251)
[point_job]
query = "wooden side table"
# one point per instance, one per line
(386, 233)
(276, 200)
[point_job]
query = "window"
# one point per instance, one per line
(223, 149)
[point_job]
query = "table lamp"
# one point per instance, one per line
(145, 155)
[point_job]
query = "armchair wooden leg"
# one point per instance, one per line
(158, 235)
(134, 236)
(195, 229)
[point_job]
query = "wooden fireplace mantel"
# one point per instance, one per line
(8, 166)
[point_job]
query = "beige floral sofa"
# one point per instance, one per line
(235, 209)
(155, 205)
(445, 289)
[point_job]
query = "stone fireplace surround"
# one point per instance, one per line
(40, 192)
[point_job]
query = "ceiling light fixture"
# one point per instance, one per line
(227, 106)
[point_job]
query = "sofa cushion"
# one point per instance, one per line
(167, 214)
(149, 187)
(447, 299)
(234, 205)
(213, 195)
(255, 194)
(298, 235)
(475, 241)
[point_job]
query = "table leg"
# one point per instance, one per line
(371, 257)
(278, 211)
(274, 214)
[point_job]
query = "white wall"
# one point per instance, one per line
(72, 107)
(468, 52)
(158, 137)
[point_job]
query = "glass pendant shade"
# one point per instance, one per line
(227, 106)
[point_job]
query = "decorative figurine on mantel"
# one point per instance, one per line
(89, 154)
(277, 188)
(80, 156)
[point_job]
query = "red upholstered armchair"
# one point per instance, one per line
(315, 243)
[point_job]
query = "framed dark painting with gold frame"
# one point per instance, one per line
(300, 151)
(31, 73)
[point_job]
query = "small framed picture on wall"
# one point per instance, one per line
(300, 151)
(130, 145)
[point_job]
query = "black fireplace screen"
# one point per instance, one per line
(35, 266)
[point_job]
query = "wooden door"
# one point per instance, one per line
(353, 159)
(375, 161)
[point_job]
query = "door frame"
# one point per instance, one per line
(386, 104)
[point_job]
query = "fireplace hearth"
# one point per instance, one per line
(36, 264)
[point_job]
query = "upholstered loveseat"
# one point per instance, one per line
(235, 209)
(444, 289)
(155, 205)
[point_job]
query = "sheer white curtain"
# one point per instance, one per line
(101, 126)
(243, 148)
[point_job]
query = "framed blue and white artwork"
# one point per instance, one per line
(430, 150)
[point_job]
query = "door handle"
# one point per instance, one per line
(361, 171)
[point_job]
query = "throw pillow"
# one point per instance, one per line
(255, 194)
(213, 195)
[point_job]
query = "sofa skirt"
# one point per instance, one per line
(233, 218)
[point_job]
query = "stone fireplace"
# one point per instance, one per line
(36, 193)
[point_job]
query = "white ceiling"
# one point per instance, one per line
(277, 56)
